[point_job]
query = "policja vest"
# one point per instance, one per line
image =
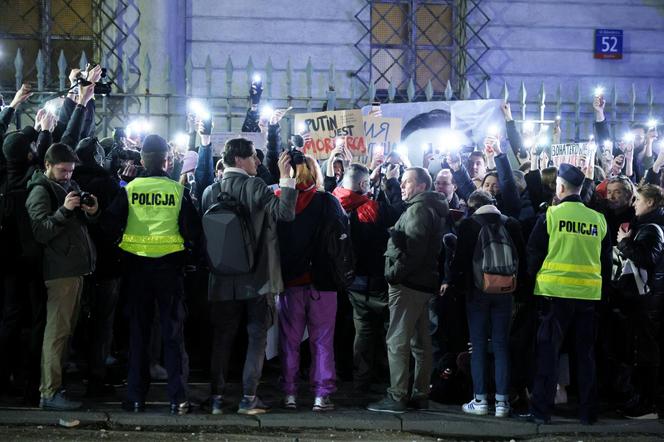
(572, 267)
(152, 222)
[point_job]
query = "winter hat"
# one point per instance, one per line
(30, 133)
(189, 162)
(154, 143)
(16, 147)
(90, 152)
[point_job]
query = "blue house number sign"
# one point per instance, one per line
(609, 44)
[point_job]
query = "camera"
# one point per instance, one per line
(384, 168)
(86, 199)
(101, 88)
(296, 157)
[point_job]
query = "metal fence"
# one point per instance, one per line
(166, 109)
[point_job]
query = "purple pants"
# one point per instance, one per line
(300, 307)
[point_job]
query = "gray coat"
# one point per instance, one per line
(68, 249)
(266, 209)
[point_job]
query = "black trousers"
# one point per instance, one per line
(166, 288)
(371, 318)
(104, 295)
(226, 317)
(558, 316)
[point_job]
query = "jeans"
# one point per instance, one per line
(489, 316)
(226, 317)
(301, 307)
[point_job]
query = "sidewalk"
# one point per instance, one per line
(439, 421)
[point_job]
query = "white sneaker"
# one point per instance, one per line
(502, 409)
(290, 402)
(323, 403)
(479, 408)
(561, 395)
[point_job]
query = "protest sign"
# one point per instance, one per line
(218, 139)
(325, 128)
(446, 126)
(576, 154)
(381, 133)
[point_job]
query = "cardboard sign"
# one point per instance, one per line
(381, 133)
(325, 128)
(576, 154)
(218, 140)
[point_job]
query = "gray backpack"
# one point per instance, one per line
(495, 260)
(231, 245)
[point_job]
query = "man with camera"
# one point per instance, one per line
(249, 295)
(59, 213)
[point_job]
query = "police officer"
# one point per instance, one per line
(570, 252)
(157, 220)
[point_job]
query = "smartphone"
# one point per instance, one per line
(207, 126)
(624, 227)
(375, 106)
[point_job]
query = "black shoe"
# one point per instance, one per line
(641, 412)
(421, 403)
(388, 405)
(181, 408)
(530, 417)
(98, 389)
(133, 407)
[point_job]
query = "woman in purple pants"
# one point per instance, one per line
(301, 305)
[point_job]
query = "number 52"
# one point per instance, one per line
(609, 44)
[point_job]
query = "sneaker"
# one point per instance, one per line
(641, 412)
(216, 404)
(323, 403)
(59, 402)
(181, 408)
(388, 405)
(561, 395)
(479, 408)
(252, 406)
(502, 409)
(158, 373)
(290, 402)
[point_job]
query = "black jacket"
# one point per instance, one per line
(461, 269)
(645, 247)
(100, 183)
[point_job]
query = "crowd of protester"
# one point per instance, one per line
(100, 239)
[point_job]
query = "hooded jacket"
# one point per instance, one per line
(411, 258)
(68, 248)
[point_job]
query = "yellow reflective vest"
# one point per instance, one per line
(572, 267)
(152, 222)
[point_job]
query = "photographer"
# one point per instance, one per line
(103, 291)
(58, 215)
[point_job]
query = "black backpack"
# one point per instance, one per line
(231, 245)
(333, 261)
(495, 259)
